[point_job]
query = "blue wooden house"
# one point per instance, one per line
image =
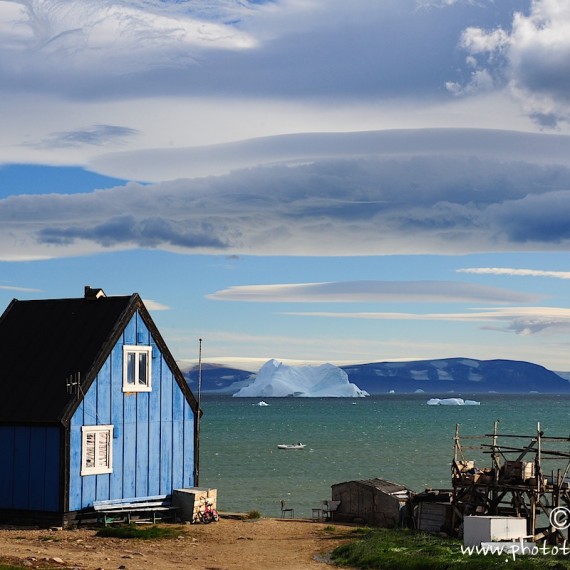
(93, 407)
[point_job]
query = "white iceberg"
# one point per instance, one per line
(277, 380)
(452, 402)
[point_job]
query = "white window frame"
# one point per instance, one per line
(107, 466)
(137, 386)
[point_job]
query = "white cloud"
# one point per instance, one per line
(532, 58)
(13, 29)
(400, 197)
(480, 81)
(371, 291)
(515, 272)
(163, 164)
(114, 48)
(176, 128)
(520, 320)
(478, 41)
(19, 289)
(176, 74)
(155, 305)
(83, 32)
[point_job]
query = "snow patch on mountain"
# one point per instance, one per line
(278, 380)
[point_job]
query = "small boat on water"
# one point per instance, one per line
(291, 446)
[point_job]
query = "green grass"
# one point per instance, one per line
(10, 567)
(49, 539)
(140, 533)
(408, 550)
(252, 515)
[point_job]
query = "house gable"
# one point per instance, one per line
(153, 445)
(153, 432)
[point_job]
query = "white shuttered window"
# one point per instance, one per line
(97, 450)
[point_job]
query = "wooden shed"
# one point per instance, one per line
(93, 408)
(432, 511)
(375, 502)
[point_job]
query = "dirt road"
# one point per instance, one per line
(269, 544)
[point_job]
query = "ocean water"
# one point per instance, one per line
(399, 438)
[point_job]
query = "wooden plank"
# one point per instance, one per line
(37, 468)
(126, 507)
(188, 444)
(528, 448)
(130, 331)
(142, 455)
(155, 498)
(519, 449)
(166, 381)
(177, 437)
(103, 383)
(21, 467)
(52, 487)
(88, 482)
(7, 471)
(154, 429)
(75, 479)
(129, 423)
(130, 444)
(143, 334)
(116, 478)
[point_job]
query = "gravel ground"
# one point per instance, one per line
(228, 544)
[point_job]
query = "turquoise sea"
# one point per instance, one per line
(399, 438)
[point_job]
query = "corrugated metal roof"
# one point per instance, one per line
(41, 344)
(382, 485)
(385, 486)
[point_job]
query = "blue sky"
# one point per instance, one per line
(314, 180)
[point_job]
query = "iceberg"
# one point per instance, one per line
(452, 402)
(278, 380)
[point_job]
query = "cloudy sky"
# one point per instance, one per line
(314, 180)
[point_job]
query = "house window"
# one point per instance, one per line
(136, 368)
(97, 450)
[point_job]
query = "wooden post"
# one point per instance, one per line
(456, 443)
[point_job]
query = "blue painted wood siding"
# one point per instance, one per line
(153, 440)
(29, 472)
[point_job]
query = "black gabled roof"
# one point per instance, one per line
(43, 342)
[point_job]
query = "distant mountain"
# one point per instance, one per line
(218, 379)
(447, 375)
(457, 375)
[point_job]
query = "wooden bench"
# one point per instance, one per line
(152, 509)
